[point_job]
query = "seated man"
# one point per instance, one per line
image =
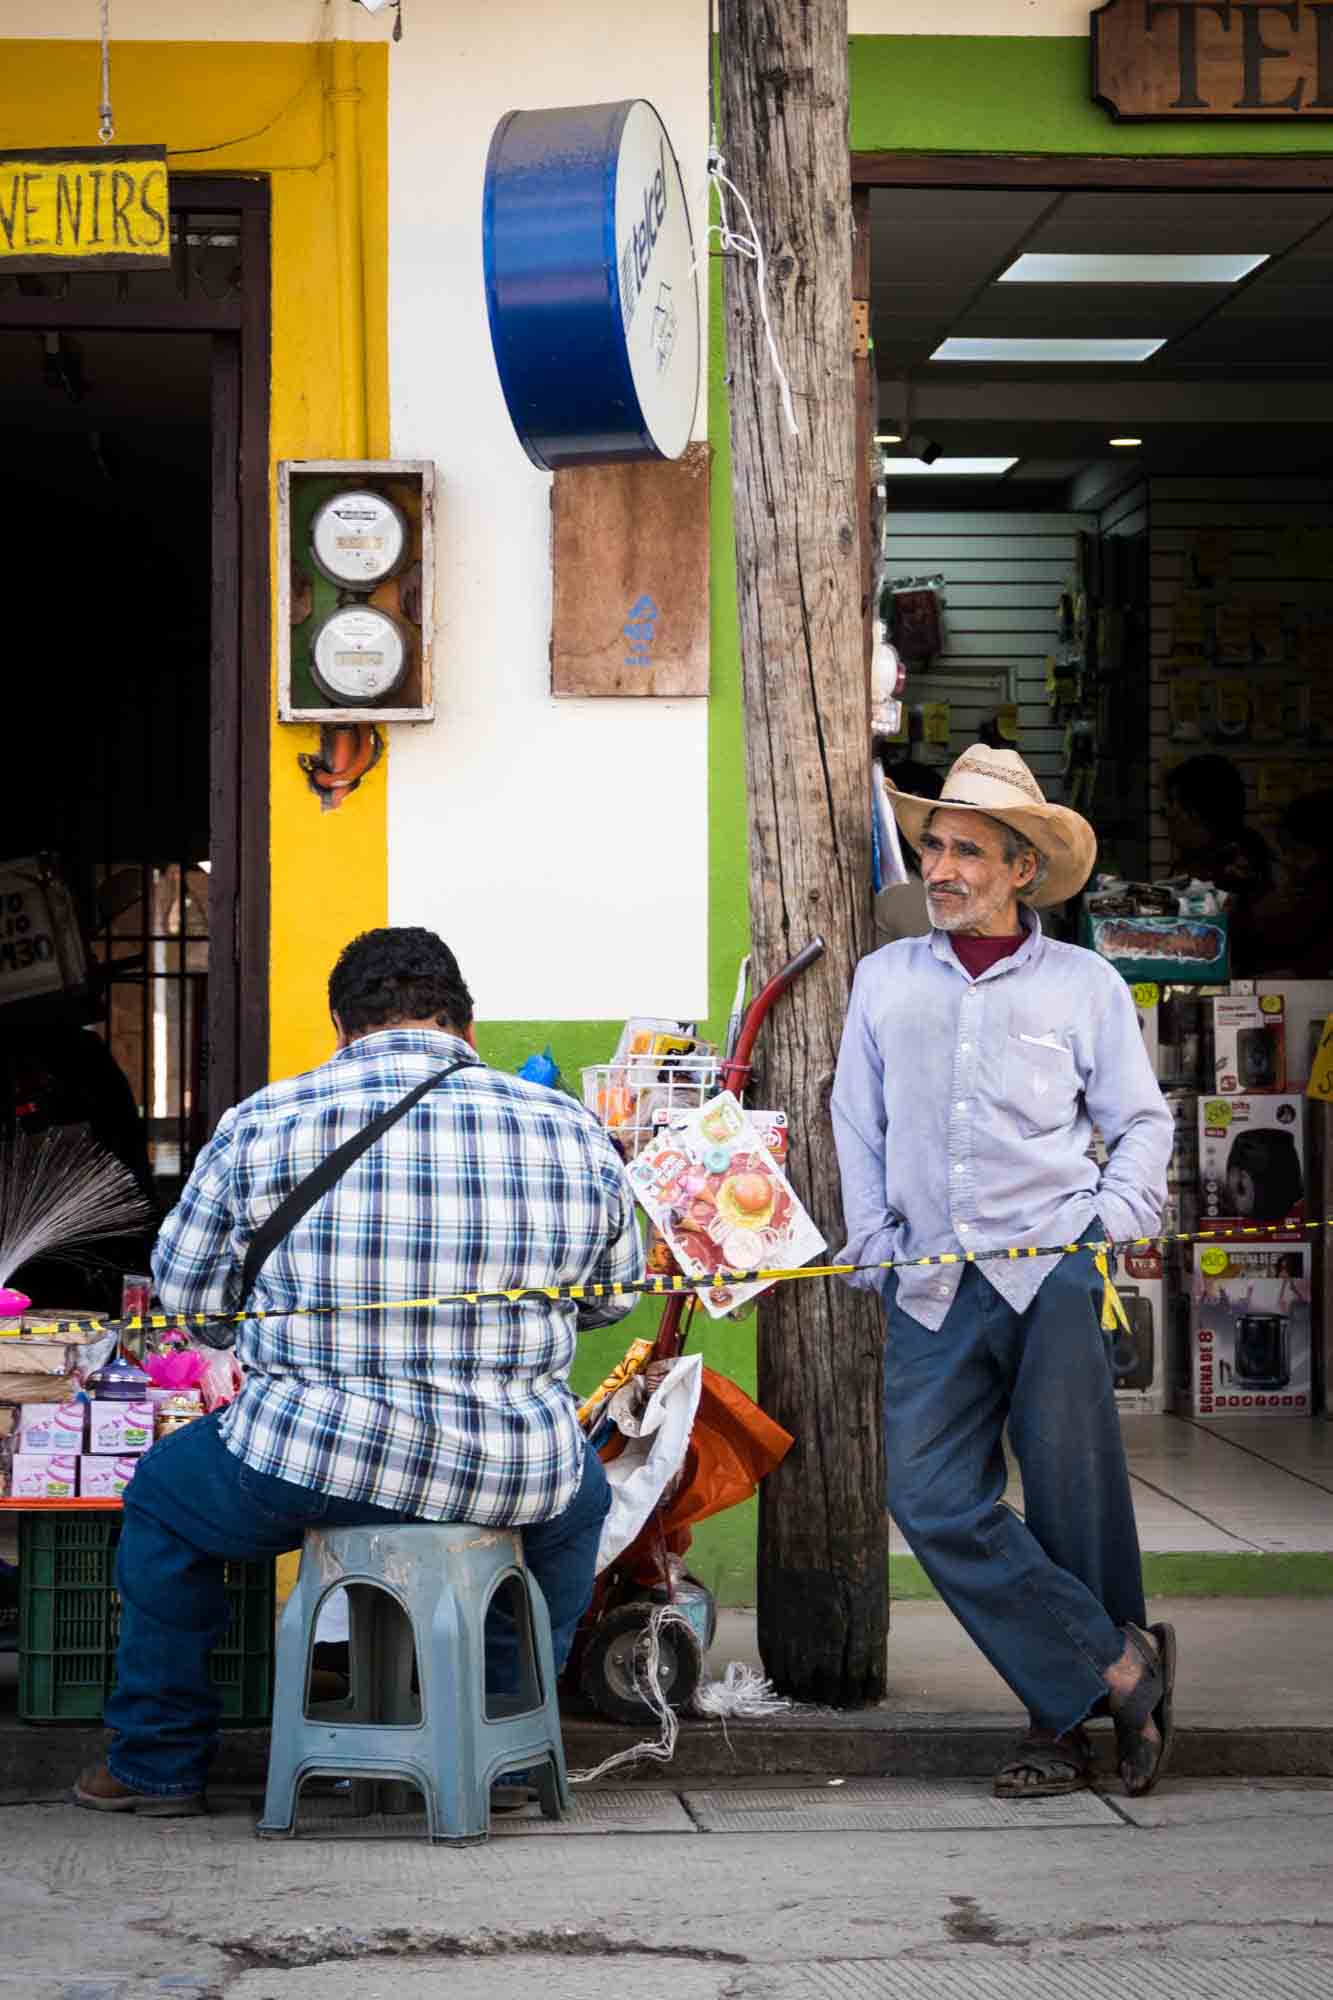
(456, 1413)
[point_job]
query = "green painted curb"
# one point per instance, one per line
(1179, 1575)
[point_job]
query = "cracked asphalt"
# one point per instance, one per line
(1217, 1891)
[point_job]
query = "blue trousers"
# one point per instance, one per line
(1044, 1598)
(192, 1507)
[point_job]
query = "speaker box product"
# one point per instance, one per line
(1143, 1358)
(1250, 1330)
(1252, 1163)
(1249, 1044)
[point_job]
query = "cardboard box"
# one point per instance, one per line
(105, 1478)
(1249, 1333)
(117, 1428)
(50, 1427)
(1143, 1359)
(1183, 950)
(44, 1476)
(1248, 1042)
(1252, 1163)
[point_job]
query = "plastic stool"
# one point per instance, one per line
(418, 1593)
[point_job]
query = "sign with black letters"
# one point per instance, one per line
(1213, 59)
(80, 208)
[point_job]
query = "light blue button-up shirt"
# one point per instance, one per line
(963, 1112)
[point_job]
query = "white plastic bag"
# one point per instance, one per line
(651, 1459)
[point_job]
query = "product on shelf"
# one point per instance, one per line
(1252, 1162)
(1249, 1043)
(1142, 1358)
(44, 1475)
(115, 1428)
(51, 1427)
(105, 1478)
(1249, 1329)
(1172, 932)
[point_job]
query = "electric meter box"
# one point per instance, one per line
(43, 963)
(356, 590)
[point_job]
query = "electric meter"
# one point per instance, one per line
(359, 538)
(359, 656)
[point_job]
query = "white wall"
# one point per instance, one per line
(204, 21)
(561, 847)
(967, 17)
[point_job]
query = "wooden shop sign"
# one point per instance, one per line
(85, 208)
(1205, 59)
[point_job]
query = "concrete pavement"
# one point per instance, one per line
(935, 1892)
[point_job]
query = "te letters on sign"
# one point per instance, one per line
(1203, 59)
(103, 207)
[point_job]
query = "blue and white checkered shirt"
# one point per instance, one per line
(460, 1413)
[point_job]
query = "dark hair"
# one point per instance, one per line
(406, 974)
(1273, 1164)
(1308, 821)
(1213, 790)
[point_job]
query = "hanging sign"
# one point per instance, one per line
(1203, 59)
(85, 208)
(590, 286)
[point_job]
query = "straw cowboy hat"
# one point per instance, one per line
(999, 784)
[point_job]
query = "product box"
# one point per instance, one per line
(116, 1428)
(1250, 1330)
(1248, 1041)
(48, 1427)
(105, 1478)
(44, 1476)
(1185, 950)
(1252, 1163)
(722, 1202)
(1143, 1358)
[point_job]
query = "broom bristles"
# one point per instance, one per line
(60, 1189)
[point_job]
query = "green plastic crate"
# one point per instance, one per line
(69, 1624)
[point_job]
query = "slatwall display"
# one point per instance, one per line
(1003, 578)
(1277, 540)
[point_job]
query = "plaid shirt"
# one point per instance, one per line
(460, 1413)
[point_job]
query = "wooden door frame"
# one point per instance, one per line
(239, 701)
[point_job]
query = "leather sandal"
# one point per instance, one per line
(1141, 1762)
(1064, 1762)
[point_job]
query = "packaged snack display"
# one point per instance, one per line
(1252, 1163)
(105, 1478)
(1249, 1338)
(50, 1427)
(659, 1071)
(1249, 1043)
(1159, 931)
(1142, 1357)
(115, 1428)
(44, 1476)
(721, 1201)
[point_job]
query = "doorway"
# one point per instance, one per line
(135, 414)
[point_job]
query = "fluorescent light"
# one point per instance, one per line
(1038, 268)
(1039, 352)
(1124, 441)
(947, 468)
(888, 437)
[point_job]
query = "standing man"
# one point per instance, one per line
(349, 1418)
(974, 1063)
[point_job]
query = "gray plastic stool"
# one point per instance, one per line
(417, 1591)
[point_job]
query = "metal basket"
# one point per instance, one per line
(635, 1098)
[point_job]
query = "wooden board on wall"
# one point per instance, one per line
(630, 565)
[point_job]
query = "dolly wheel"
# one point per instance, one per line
(614, 1676)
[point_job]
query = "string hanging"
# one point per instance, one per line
(106, 126)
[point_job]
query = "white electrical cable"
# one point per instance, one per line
(106, 129)
(752, 250)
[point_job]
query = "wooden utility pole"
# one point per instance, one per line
(823, 1533)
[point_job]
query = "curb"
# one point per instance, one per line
(39, 1761)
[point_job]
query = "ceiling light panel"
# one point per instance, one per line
(947, 468)
(1039, 353)
(1042, 268)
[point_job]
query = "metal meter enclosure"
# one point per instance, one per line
(356, 588)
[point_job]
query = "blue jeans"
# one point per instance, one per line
(1044, 1598)
(190, 1509)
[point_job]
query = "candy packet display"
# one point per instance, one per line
(721, 1202)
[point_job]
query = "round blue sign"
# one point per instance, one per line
(590, 285)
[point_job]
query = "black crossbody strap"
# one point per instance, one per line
(316, 1185)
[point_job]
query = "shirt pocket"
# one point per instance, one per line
(1041, 1086)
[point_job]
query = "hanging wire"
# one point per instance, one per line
(747, 246)
(106, 128)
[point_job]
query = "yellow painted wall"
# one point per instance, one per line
(262, 107)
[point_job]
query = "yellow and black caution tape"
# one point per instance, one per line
(658, 1287)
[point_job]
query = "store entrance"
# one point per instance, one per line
(132, 406)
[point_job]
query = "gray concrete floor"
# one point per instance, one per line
(1222, 1892)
